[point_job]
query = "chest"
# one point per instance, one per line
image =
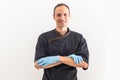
(63, 47)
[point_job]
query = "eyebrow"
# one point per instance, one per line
(61, 13)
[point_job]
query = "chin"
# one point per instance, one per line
(63, 26)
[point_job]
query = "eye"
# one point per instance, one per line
(65, 14)
(58, 15)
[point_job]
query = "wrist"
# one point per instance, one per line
(61, 58)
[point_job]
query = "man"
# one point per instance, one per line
(61, 50)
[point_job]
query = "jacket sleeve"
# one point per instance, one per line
(40, 49)
(82, 50)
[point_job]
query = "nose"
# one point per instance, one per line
(62, 17)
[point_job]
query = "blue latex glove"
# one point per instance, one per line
(48, 60)
(77, 59)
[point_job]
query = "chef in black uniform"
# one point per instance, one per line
(61, 50)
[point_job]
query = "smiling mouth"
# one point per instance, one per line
(62, 22)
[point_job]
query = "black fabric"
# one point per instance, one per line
(52, 43)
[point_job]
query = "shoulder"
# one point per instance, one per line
(76, 34)
(46, 34)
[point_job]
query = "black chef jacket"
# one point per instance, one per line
(52, 43)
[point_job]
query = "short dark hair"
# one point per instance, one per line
(60, 4)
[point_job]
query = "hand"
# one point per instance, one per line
(37, 66)
(48, 60)
(77, 59)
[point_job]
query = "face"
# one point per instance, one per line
(61, 16)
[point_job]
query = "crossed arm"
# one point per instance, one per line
(65, 60)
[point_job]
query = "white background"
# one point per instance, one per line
(22, 21)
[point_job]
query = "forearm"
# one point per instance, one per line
(65, 60)
(51, 65)
(69, 61)
(48, 66)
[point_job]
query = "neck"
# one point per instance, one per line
(62, 31)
